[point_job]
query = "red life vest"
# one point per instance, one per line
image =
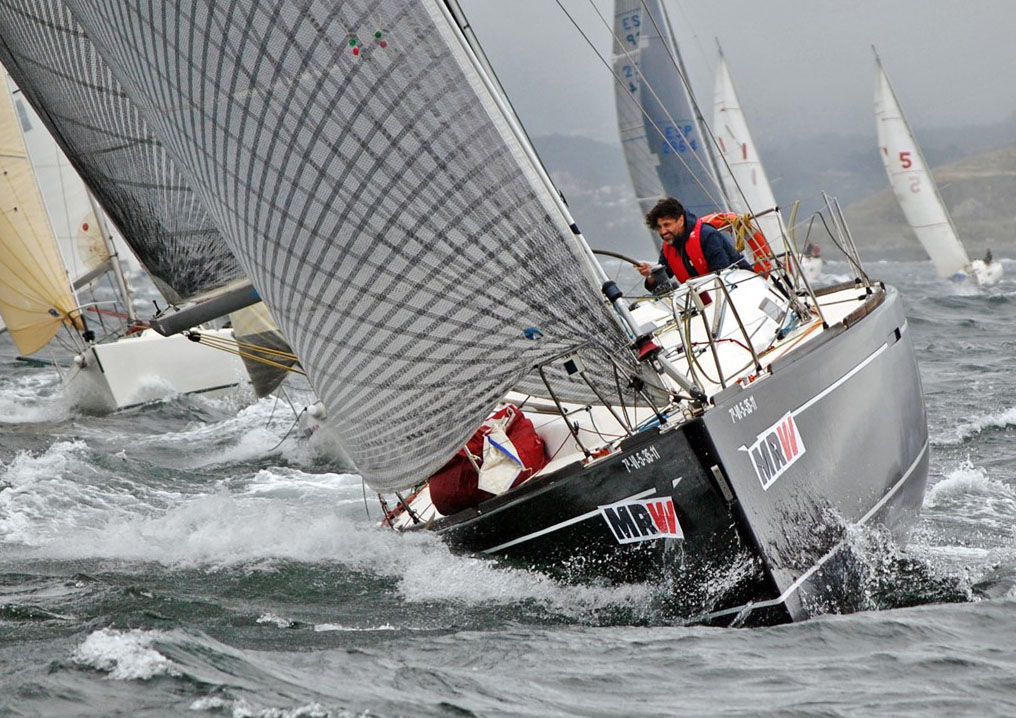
(756, 241)
(694, 248)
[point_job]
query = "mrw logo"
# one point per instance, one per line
(644, 520)
(775, 450)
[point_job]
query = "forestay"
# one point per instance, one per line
(661, 140)
(110, 146)
(913, 184)
(373, 190)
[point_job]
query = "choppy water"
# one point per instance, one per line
(188, 558)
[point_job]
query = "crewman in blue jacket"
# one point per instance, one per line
(691, 248)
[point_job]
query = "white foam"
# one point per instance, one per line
(977, 424)
(964, 481)
(277, 621)
(33, 398)
(331, 627)
(241, 708)
(124, 655)
(52, 494)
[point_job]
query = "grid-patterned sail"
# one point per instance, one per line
(661, 142)
(369, 183)
(111, 147)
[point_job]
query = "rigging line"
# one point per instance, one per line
(229, 347)
(705, 128)
(639, 104)
(649, 85)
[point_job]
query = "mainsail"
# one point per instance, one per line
(375, 191)
(663, 147)
(913, 184)
(35, 297)
(746, 183)
(106, 139)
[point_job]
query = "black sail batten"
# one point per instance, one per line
(111, 147)
(371, 185)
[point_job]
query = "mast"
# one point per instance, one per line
(114, 257)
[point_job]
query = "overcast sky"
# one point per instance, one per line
(799, 65)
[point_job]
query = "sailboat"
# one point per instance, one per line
(664, 147)
(917, 193)
(42, 279)
(742, 172)
(394, 217)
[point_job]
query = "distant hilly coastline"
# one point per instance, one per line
(979, 190)
(980, 194)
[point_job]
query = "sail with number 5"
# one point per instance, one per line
(377, 194)
(913, 184)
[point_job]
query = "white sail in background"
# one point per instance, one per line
(913, 184)
(663, 146)
(746, 183)
(361, 169)
(35, 297)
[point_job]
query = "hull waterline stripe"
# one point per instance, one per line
(563, 524)
(822, 561)
(868, 360)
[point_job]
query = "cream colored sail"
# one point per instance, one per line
(913, 184)
(35, 297)
(68, 206)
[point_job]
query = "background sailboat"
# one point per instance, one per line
(43, 281)
(917, 193)
(36, 299)
(662, 138)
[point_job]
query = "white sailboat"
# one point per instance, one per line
(50, 255)
(742, 172)
(427, 271)
(917, 193)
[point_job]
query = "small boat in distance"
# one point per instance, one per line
(918, 195)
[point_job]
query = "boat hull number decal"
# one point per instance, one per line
(742, 409)
(640, 459)
(642, 520)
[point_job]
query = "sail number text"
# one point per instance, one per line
(742, 409)
(640, 458)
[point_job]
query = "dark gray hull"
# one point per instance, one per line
(765, 484)
(858, 408)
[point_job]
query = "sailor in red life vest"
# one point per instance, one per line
(691, 248)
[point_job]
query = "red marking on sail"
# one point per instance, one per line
(663, 515)
(787, 432)
(744, 150)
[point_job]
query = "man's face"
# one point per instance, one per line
(669, 228)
